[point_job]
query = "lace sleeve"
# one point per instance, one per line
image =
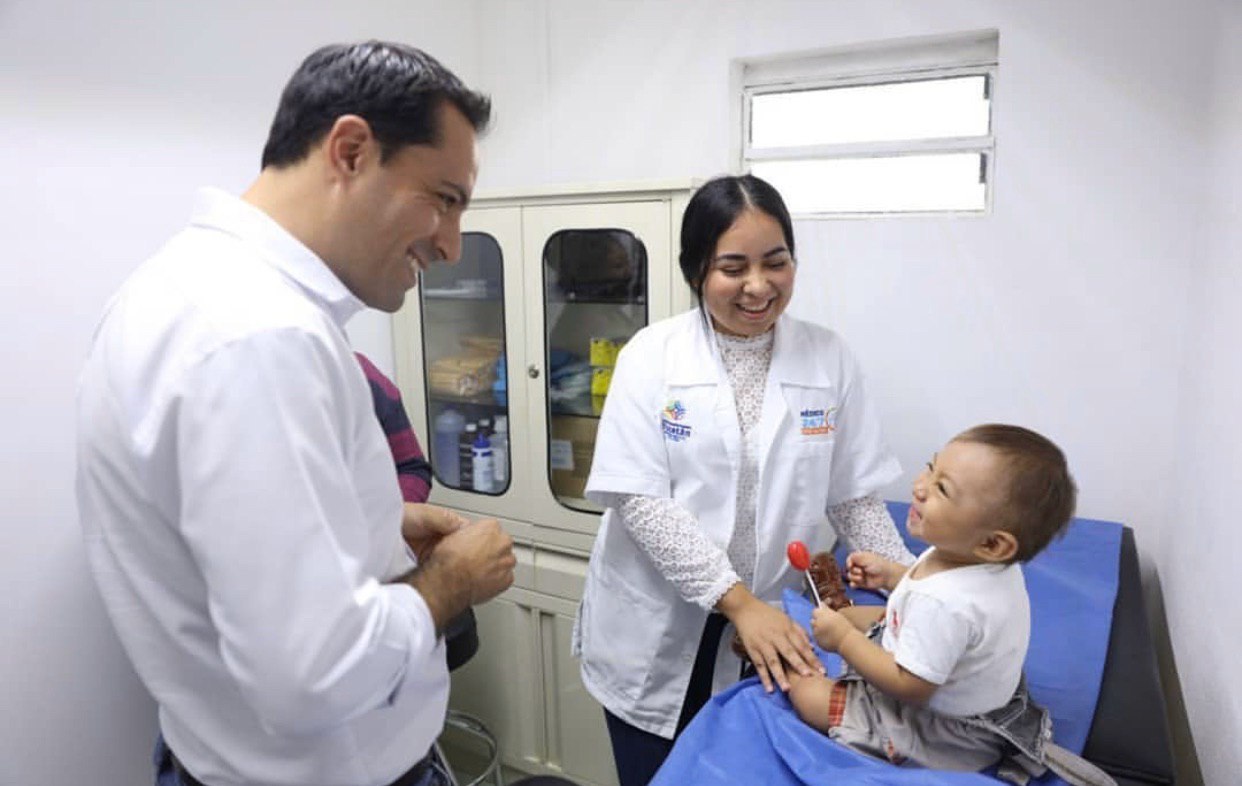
(670, 536)
(866, 525)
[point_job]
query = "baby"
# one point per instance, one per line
(950, 644)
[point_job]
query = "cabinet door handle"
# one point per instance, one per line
(532, 371)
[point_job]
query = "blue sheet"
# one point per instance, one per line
(744, 736)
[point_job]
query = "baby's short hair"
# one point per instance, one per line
(1041, 495)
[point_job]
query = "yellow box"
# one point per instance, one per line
(604, 351)
(601, 379)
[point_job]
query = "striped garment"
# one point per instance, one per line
(413, 471)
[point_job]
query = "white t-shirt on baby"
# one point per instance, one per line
(965, 629)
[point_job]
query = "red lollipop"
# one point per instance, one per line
(800, 558)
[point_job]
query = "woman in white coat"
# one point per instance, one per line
(728, 432)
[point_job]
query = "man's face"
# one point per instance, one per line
(405, 214)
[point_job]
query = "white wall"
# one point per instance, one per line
(113, 114)
(1199, 552)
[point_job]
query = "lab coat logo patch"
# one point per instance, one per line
(674, 431)
(818, 421)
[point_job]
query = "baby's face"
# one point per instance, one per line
(958, 499)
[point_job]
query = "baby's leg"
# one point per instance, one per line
(810, 697)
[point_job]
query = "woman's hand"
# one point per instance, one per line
(423, 525)
(772, 640)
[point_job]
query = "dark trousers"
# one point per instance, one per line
(638, 753)
(168, 773)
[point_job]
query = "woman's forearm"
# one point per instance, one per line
(671, 537)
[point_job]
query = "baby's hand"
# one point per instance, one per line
(866, 570)
(830, 627)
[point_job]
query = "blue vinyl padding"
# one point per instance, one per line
(745, 736)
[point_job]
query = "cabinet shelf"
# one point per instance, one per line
(485, 400)
(453, 297)
(561, 298)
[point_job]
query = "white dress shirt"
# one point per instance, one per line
(241, 512)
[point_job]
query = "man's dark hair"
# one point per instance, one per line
(396, 88)
(713, 209)
(1040, 496)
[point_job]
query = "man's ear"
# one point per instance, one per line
(349, 144)
(998, 546)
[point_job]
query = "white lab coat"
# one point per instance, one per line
(670, 428)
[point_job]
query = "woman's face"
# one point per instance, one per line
(750, 276)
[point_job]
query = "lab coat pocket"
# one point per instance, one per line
(813, 467)
(620, 632)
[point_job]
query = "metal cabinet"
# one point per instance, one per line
(522, 334)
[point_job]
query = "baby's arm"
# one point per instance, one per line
(871, 571)
(862, 617)
(836, 633)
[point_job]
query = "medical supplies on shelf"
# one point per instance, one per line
(469, 373)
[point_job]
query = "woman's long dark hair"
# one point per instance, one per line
(713, 209)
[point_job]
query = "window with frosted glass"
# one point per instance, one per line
(901, 128)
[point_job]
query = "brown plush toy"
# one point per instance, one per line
(828, 582)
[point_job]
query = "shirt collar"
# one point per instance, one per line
(700, 362)
(223, 212)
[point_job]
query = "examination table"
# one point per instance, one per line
(1092, 663)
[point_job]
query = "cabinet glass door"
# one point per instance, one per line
(463, 332)
(594, 300)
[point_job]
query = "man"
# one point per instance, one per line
(240, 505)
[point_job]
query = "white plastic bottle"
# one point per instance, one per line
(500, 453)
(445, 456)
(481, 459)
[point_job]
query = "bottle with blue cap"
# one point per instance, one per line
(481, 460)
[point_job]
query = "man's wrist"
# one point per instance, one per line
(446, 596)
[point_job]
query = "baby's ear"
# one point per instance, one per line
(998, 546)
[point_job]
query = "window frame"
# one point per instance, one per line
(909, 60)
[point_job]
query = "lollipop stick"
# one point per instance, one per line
(814, 591)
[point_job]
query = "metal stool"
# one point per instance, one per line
(461, 641)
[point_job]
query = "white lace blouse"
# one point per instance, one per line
(670, 535)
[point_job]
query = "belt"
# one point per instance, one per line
(411, 777)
